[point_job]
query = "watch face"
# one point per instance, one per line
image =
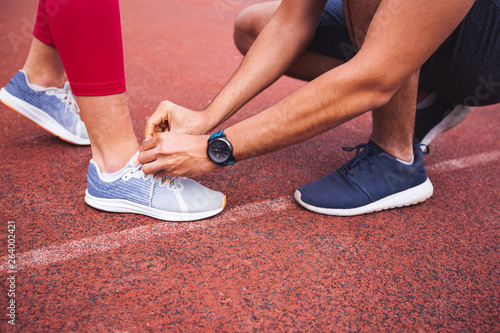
(219, 151)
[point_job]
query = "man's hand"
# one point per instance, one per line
(170, 117)
(174, 154)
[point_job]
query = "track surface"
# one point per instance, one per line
(264, 264)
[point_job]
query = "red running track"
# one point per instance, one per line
(264, 264)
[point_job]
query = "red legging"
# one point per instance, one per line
(87, 35)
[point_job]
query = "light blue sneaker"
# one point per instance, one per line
(53, 109)
(132, 191)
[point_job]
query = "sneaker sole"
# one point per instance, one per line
(125, 206)
(411, 196)
(456, 116)
(40, 118)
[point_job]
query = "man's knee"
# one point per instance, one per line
(243, 34)
(249, 23)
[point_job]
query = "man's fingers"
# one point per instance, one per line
(147, 168)
(149, 144)
(146, 156)
(153, 130)
(158, 122)
(154, 166)
(149, 131)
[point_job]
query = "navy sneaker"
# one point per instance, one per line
(372, 181)
(53, 109)
(438, 118)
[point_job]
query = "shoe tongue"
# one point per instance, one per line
(372, 147)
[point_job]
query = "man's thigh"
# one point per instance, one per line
(332, 37)
(466, 67)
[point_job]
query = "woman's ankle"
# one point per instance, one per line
(44, 78)
(114, 159)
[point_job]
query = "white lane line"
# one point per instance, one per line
(91, 245)
(464, 162)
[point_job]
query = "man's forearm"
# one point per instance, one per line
(323, 104)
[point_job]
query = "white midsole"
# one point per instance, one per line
(125, 206)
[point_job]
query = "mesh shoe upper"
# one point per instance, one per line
(54, 109)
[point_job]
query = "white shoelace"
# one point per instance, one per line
(66, 96)
(174, 183)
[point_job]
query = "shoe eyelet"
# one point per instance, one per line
(127, 176)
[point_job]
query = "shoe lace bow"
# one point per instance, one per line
(363, 155)
(173, 183)
(66, 96)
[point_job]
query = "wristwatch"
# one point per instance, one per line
(220, 150)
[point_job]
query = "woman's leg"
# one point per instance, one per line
(43, 66)
(87, 34)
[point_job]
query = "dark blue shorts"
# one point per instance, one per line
(465, 69)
